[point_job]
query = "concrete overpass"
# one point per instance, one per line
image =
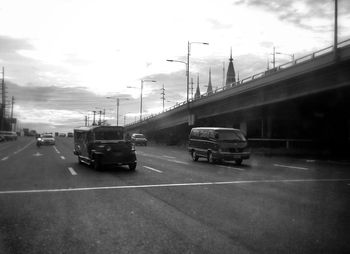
(306, 99)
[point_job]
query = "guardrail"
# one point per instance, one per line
(309, 57)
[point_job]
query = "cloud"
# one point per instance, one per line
(308, 14)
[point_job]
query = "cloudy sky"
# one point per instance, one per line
(62, 58)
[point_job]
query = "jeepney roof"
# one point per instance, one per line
(94, 127)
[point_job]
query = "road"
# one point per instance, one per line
(51, 204)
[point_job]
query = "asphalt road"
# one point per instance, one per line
(51, 204)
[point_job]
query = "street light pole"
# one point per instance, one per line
(118, 99)
(143, 80)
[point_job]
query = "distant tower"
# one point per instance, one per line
(198, 92)
(231, 76)
(210, 87)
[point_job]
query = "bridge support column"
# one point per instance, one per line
(243, 127)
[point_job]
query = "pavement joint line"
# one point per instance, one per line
(180, 162)
(287, 166)
(166, 185)
(72, 171)
(24, 147)
(56, 150)
(169, 157)
(228, 167)
(153, 169)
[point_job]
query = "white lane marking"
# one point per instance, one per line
(153, 169)
(240, 169)
(37, 154)
(63, 158)
(172, 185)
(72, 171)
(287, 166)
(24, 147)
(5, 158)
(180, 162)
(56, 150)
(168, 157)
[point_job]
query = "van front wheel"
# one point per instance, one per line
(238, 161)
(194, 156)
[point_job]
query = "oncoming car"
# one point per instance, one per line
(100, 146)
(218, 144)
(138, 139)
(46, 139)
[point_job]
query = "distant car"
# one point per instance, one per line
(62, 135)
(46, 139)
(8, 135)
(138, 139)
(70, 135)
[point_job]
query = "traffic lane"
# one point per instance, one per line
(119, 221)
(34, 168)
(10, 148)
(255, 217)
(257, 167)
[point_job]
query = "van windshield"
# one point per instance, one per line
(108, 135)
(230, 135)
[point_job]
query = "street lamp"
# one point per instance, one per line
(188, 64)
(117, 106)
(291, 55)
(142, 80)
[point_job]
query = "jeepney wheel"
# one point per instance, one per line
(195, 157)
(97, 164)
(210, 158)
(238, 161)
(132, 166)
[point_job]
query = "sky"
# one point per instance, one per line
(62, 58)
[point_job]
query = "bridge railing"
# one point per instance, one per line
(303, 59)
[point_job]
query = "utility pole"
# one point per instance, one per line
(93, 121)
(12, 102)
(223, 74)
(163, 96)
(3, 99)
(99, 121)
(192, 88)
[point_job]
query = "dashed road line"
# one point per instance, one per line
(5, 158)
(72, 171)
(63, 158)
(153, 169)
(167, 185)
(292, 167)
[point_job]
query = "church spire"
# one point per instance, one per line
(198, 92)
(231, 76)
(210, 87)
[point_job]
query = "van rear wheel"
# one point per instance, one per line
(238, 161)
(195, 157)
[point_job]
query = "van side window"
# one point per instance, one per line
(194, 134)
(211, 135)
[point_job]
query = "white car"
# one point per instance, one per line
(47, 139)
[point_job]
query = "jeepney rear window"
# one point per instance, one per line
(108, 135)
